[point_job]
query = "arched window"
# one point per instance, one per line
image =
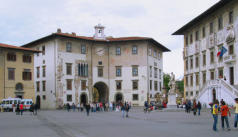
(19, 87)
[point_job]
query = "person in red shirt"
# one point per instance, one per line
(21, 108)
(224, 115)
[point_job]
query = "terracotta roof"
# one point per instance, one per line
(16, 47)
(108, 39)
(211, 10)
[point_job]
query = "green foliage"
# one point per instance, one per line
(166, 82)
(180, 86)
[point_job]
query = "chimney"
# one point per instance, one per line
(58, 30)
(73, 33)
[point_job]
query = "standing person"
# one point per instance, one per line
(127, 108)
(215, 114)
(110, 107)
(35, 109)
(146, 106)
(68, 107)
(21, 108)
(87, 106)
(236, 113)
(199, 106)
(73, 107)
(194, 108)
(78, 107)
(18, 109)
(123, 110)
(32, 108)
(224, 112)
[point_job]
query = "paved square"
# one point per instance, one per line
(110, 124)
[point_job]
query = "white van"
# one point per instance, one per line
(8, 104)
(27, 103)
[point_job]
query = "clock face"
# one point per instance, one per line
(100, 51)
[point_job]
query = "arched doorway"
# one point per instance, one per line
(83, 98)
(102, 92)
(38, 101)
(214, 95)
(118, 97)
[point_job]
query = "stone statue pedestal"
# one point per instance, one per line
(172, 101)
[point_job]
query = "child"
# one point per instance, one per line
(224, 112)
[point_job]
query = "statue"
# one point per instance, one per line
(172, 84)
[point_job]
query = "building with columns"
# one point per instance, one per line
(209, 75)
(80, 69)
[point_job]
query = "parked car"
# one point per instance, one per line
(26, 103)
(8, 104)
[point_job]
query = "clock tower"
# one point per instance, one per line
(99, 32)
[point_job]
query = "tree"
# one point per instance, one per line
(180, 86)
(166, 82)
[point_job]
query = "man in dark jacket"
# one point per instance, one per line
(87, 106)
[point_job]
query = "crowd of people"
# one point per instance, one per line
(193, 106)
(20, 109)
(124, 107)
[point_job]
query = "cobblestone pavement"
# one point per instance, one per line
(59, 123)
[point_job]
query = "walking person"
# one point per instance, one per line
(87, 106)
(32, 109)
(68, 107)
(224, 115)
(123, 110)
(73, 107)
(78, 106)
(21, 108)
(194, 108)
(35, 109)
(199, 107)
(127, 108)
(236, 113)
(18, 109)
(215, 114)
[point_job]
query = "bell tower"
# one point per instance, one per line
(99, 32)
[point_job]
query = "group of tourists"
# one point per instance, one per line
(193, 106)
(224, 110)
(100, 107)
(20, 109)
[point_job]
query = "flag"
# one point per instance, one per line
(221, 51)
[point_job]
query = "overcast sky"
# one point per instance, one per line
(23, 21)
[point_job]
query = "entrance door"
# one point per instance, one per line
(83, 99)
(232, 75)
(214, 95)
(38, 101)
(118, 98)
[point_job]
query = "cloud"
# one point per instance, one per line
(26, 20)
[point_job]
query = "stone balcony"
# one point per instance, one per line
(229, 59)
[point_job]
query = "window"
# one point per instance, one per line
(43, 50)
(150, 71)
(150, 51)
(150, 84)
(211, 57)
(135, 84)
(37, 86)
(191, 80)
(68, 47)
(204, 59)
(118, 85)
(231, 50)
(83, 84)
(135, 97)
(156, 85)
(118, 51)
(197, 79)
(26, 74)
(134, 70)
(220, 23)
(83, 49)
(230, 17)
(43, 71)
(37, 72)
(197, 92)
(220, 73)
(197, 35)
(100, 71)
(68, 68)
(186, 80)
(44, 97)
(186, 41)
(191, 93)
(69, 84)
(11, 73)
(118, 71)
(186, 64)
(186, 93)
(155, 53)
(204, 77)
(11, 56)
(191, 38)
(160, 73)
(69, 98)
(212, 75)
(203, 32)
(26, 58)
(134, 49)
(211, 28)
(37, 48)
(155, 72)
(197, 62)
(43, 85)
(160, 86)
(191, 62)
(82, 70)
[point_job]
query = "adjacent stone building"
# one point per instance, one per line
(210, 54)
(78, 69)
(16, 67)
